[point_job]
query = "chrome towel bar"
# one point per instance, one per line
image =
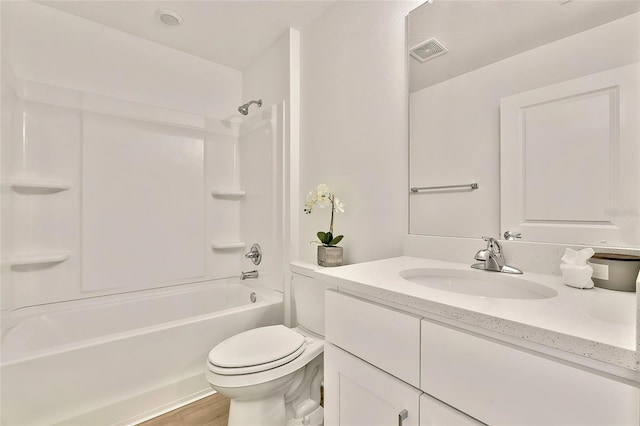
(427, 188)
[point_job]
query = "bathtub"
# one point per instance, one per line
(123, 359)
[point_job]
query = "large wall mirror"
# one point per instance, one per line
(528, 114)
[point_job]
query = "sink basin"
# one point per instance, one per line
(479, 283)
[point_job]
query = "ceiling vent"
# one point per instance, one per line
(169, 17)
(428, 50)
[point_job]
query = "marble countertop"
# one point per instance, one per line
(596, 323)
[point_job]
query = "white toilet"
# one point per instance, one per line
(273, 374)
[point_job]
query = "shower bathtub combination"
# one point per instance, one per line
(123, 359)
(128, 205)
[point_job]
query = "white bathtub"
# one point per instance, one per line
(122, 359)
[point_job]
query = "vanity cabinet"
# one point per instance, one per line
(458, 378)
(359, 394)
(503, 385)
(386, 338)
(372, 368)
(436, 413)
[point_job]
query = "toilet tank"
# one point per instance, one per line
(308, 298)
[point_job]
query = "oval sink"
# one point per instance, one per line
(478, 283)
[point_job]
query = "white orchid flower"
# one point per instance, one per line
(322, 197)
(323, 189)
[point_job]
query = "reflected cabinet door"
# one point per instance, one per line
(359, 394)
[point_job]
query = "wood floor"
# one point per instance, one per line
(210, 411)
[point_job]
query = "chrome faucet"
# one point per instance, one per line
(250, 274)
(255, 254)
(492, 258)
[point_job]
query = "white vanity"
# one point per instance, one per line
(404, 349)
(503, 141)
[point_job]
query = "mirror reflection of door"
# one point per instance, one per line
(569, 160)
(500, 49)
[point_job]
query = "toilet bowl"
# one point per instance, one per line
(273, 374)
(259, 368)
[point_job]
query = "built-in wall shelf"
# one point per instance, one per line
(39, 258)
(39, 185)
(227, 245)
(228, 193)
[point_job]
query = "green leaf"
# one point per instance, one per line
(336, 240)
(327, 238)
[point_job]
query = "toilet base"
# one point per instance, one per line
(315, 418)
(259, 405)
(262, 412)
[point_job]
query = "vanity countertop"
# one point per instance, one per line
(596, 323)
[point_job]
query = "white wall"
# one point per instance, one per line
(267, 78)
(275, 78)
(354, 126)
(63, 50)
(455, 125)
(7, 103)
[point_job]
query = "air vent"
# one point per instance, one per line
(169, 17)
(428, 50)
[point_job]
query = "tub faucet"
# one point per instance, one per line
(255, 254)
(250, 274)
(492, 258)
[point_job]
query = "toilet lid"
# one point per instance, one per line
(256, 350)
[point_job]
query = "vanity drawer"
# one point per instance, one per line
(501, 385)
(384, 337)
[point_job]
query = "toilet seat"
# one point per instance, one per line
(312, 347)
(226, 371)
(256, 350)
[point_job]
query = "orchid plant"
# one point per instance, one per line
(323, 197)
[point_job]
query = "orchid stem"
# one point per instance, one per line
(332, 209)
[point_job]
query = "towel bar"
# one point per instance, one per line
(426, 188)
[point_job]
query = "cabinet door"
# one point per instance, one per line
(436, 413)
(501, 385)
(383, 337)
(358, 394)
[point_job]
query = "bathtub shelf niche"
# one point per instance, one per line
(227, 245)
(39, 258)
(228, 193)
(38, 186)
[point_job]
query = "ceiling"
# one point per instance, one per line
(231, 33)
(481, 32)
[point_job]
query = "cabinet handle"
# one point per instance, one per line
(402, 415)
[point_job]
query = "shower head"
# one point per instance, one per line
(244, 109)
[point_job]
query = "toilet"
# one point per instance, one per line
(273, 375)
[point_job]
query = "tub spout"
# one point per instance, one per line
(250, 274)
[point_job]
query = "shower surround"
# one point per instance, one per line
(127, 206)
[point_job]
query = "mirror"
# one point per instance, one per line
(537, 104)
